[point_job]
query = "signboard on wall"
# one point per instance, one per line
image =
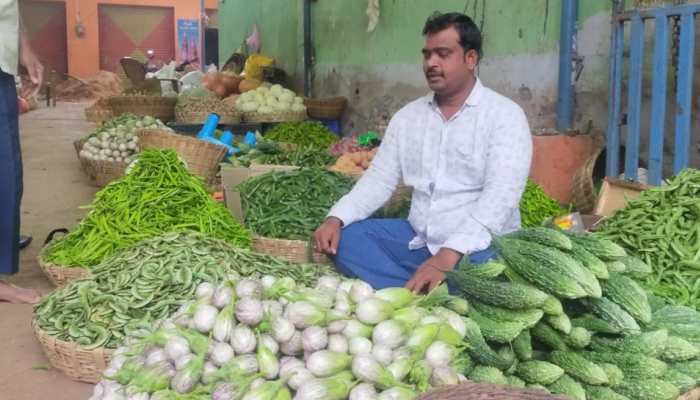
(188, 43)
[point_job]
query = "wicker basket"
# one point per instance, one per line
(296, 251)
(202, 158)
(583, 193)
(254, 117)
(98, 115)
(73, 360)
(486, 391)
(100, 172)
(332, 108)
(159, 107)
(184, 116)
(60, 275)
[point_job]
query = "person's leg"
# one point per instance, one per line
(10, 192)
(376, 251)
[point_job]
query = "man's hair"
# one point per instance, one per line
(469, 33)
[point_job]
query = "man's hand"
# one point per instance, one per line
(31, 63)
(327, 236)
(432, 272)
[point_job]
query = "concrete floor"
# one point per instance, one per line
(54, 188)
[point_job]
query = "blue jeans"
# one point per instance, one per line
(376, 251)
(10, 176)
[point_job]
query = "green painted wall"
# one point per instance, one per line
(277, 20)
(339, 27)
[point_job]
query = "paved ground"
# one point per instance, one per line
(54, 188)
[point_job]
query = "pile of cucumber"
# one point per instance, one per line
(564, 313)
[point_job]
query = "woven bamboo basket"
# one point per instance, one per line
(98, 115)
(60, 275)
(295, 251)
(202, 158)
(486, 391)
(100, 172)
(185, 116)
(332, 108)
(159, 107)
(583, 192)
(72, 359)
(254, 117)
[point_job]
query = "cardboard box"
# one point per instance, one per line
(231, 177)
(614, 195)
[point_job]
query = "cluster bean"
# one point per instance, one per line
(291, 204)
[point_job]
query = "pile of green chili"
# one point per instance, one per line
(536, 206)
(149, 281)
(292, 204)
(158, 195)
(307, 133)
(662, 227)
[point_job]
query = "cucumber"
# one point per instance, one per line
(612, 313)
(497, 293)
(579, 338)
(561, 322)
(544, 236)
(522, 345)
(568, 386)
(588, 260)
(479, 350)
(579, 367)
(540, 372)
(529, 318)
(629, 295)
(526, 260)
(648, 389)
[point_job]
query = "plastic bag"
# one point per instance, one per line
(254, 66)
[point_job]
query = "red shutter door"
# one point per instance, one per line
(45, 24)
(130, 31)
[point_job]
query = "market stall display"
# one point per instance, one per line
(553, 315)
(271, 104)
(157, 196)
(536, 206)
(194, 105)
(268, 152)
(662, 227)
(105, 153)
(138, 285)
(338, 340)
(283, 208)
(201, 158)
(144, 104)
(222, 84)
(355, 163)
(305, 134)
(291, 204)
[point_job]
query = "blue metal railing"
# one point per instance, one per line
(661, 60)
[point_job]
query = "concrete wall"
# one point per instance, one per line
(84, 52)
(380, 71)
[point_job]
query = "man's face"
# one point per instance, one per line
(447, 67)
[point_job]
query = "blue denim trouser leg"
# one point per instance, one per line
(376, 251)
(10, 176)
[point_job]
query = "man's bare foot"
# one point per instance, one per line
(17, 295)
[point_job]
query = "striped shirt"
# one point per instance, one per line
(467, 173)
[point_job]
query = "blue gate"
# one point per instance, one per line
(682, 18)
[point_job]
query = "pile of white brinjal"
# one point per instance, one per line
(117, 140)
(268, 339)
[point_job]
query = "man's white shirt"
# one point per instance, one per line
(467, 173)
